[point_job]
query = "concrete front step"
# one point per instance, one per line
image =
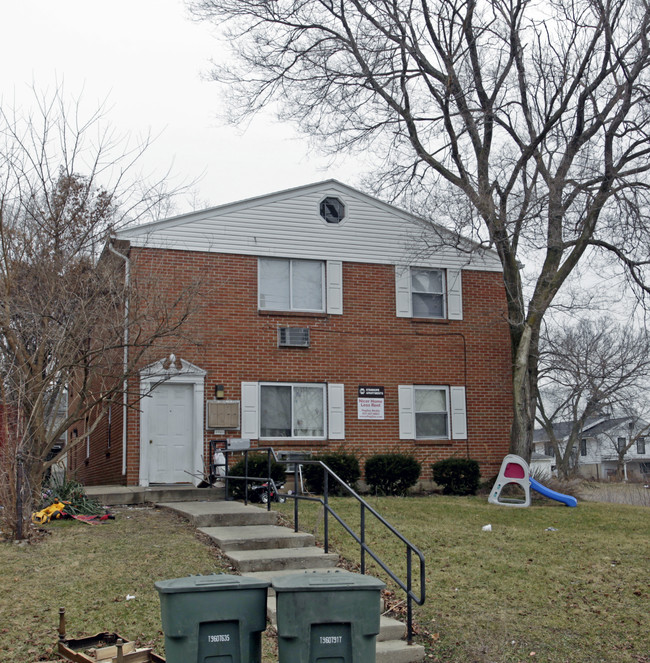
(241, 532)
(282, 558)
(125, 495)
(257, 537)
(222, 514)
(398, 651)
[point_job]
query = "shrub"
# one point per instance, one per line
(345, 465)
(457, 476)
(392, 474)
(69, 491)
(257, 467)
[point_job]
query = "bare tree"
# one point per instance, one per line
(587, 369)
(524, 124)
(64, 186)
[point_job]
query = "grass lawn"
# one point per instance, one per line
(90, 570)
(522, 592)
(518, 593)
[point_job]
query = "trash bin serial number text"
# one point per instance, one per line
(222, 637)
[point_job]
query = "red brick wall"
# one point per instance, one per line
(103, 466)
(367, 345)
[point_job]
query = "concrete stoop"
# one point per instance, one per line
(125, 495)
(256, 546)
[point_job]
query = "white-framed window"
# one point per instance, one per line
(291, 284)
(428, 293)
(640, 446)
(583, 446)
(432, 293)
(292, 410)
(621, 443)
(432, 412)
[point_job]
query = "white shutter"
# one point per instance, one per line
(406, 412)
(334, 287)
(335, 412)
(250, 418)
(458, 413)
(403, 291)
(454, 294)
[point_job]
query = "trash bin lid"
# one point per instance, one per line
(209, 583)
(325, 581)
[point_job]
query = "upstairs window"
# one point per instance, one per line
(291, 285)
(621, 443)
(583, 447)
(640, 445)
(428, 293)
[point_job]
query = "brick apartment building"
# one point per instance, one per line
(320, 327)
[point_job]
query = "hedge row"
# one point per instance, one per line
(386, 474)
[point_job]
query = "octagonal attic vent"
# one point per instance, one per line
(332, 210)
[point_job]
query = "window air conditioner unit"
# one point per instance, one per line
(293, 337)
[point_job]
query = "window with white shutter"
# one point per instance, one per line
(429, 412)
(428, 293)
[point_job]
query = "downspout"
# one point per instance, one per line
(127, 278)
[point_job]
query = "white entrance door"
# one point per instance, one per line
(171, 433)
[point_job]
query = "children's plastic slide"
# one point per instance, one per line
(514, 470)
(552, 494)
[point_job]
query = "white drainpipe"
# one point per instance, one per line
(125, 402)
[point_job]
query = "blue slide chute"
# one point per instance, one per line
(551, 494)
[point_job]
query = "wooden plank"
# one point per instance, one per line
(108, 653)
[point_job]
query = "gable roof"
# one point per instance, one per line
(593, 427)
(288, 223)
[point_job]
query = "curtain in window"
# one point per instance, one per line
(275, 411)
(308, 414)
(431, 413)
(427, 292)
(274, 284)
(307, 285)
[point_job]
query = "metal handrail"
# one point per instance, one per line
(405, 584)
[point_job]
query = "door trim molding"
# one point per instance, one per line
(172, 371)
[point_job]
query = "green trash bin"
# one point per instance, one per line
(213, 618)
(328, 617)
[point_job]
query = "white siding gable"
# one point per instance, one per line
(288, 224)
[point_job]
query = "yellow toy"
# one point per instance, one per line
(52, 512)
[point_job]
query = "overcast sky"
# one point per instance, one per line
(149, 60)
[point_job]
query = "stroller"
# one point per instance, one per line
(264, 492)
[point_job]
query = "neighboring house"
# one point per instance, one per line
(541, 465)
(321, 328)
(597, 451)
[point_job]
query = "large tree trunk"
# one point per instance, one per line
(523, 392)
